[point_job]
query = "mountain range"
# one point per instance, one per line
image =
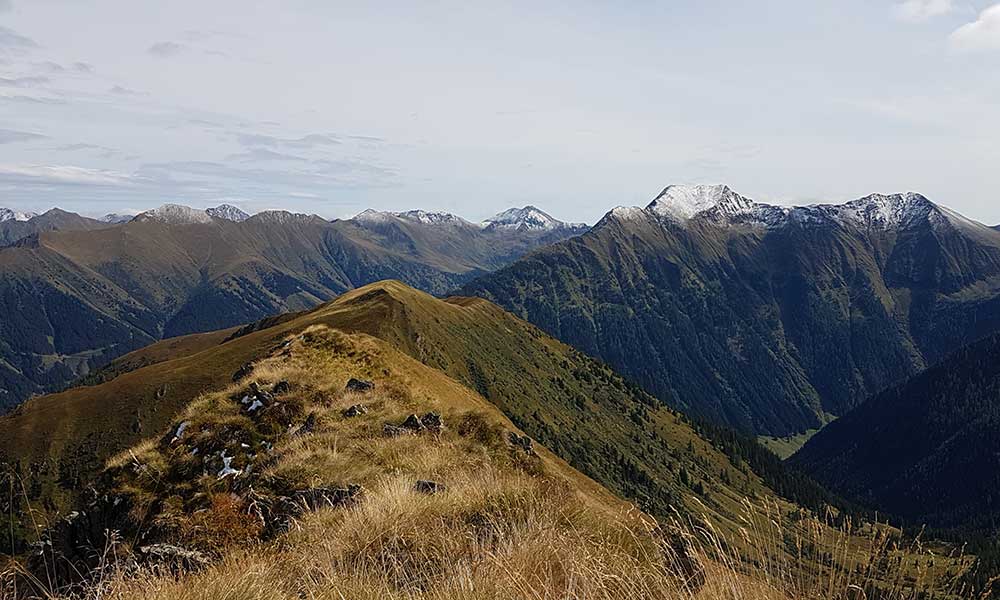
(80, 292)
(765, 318)
(16, 226)
(396, 425)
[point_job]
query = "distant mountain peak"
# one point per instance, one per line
(528, 218)
(684, 202)
(228, 212)
(372, 216)
(7, 214)
(116, 218)
(175, 214)
(720, 205)
(886, 211)
(431, 218)
(425, 217)
(283, 217)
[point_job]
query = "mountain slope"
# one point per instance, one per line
(191, 441)
(441, 502)
(76, 299)
(447, 239)
(927, 450)
(761, 317)
(572, 404)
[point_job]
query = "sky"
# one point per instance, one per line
(471, 107)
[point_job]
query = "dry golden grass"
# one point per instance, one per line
(507, 526)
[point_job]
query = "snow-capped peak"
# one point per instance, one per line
(7, 214)
(228, 212)
(372, 216)
(720, 205)
(882, 211)
(424, 217)
(116, 218)
(284, 217)
(431, 218)
(175, 214)
(528, 218)
(683, 202)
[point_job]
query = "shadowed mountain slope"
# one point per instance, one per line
(927, 450)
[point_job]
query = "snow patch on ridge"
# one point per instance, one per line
(7, 214)
(527, 218)
(175, 214)
(117, 218)
(228, 212)
(685, 201)
(720, 205)
(431, 218)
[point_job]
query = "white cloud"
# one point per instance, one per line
(14, 41)
(917, 11)
(8, 136)
(166, 49)
(982, 34)
(63, 175)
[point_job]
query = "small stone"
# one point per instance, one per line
(180, 431)
(390, 430)
(308, 427)
(355, 411)
(176, 556)
(432, 421)
(521, 442)
(430, 488)
(316, 498)
(243, 372)
(260, 394)
(282, 387)
(359, 386)
(412, 423)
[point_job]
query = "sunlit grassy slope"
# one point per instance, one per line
(507, 526)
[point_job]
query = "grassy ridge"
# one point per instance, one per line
(604, 427)
(507, 525)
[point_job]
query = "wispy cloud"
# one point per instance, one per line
(13, 41)
(312, 140)
(194, 35)
(22, 99)
(981, 34)
(63, 175)
(101, 151)
(49, 66)
(166, 49)
(263, 154)
(8, 136)
(918, 11)
(318, 176)
(24, 82)
(119, 90)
